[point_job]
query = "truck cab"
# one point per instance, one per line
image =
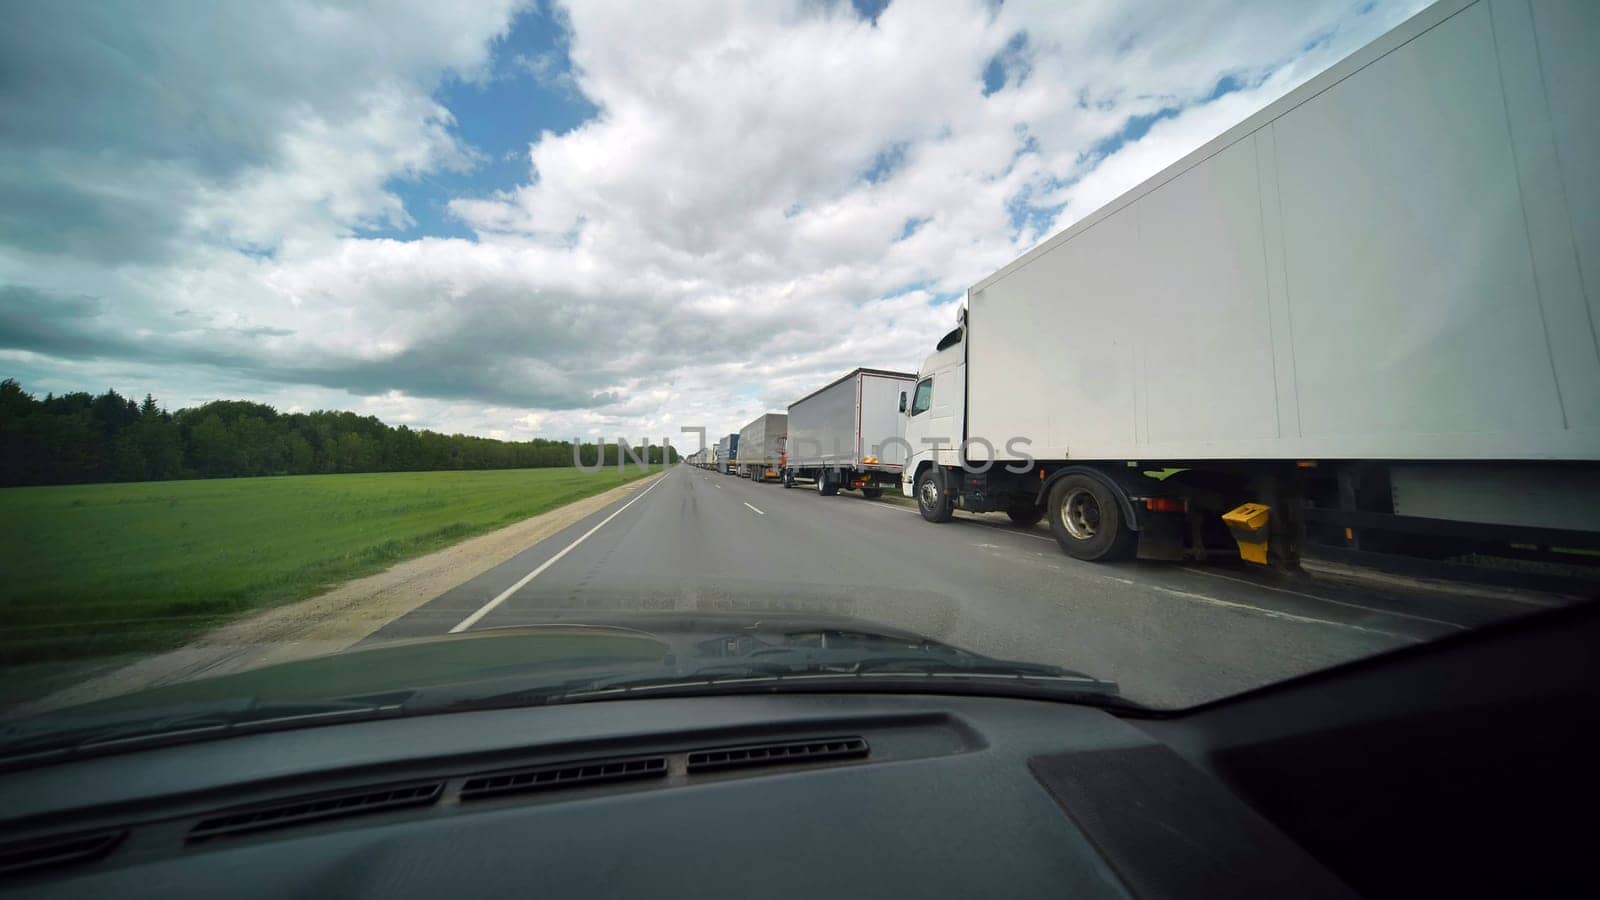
(1103, 503)
(935, 410)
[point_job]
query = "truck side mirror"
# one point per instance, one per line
(902, 401)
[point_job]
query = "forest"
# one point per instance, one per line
(78, 438)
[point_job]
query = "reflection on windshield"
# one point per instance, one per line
(533, 665)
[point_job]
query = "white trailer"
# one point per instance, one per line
(1370, 308)
(760, 447)
(847, 434)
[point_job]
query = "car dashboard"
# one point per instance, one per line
(773, 795)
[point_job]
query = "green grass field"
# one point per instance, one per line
(99, 569)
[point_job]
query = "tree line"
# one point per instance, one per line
(78, 437)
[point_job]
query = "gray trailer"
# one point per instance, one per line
(760, 449)
(1363, 319)
(847, 434)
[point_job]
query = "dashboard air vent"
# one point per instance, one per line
(302, 810)
(776, 754)
(19, 857)
(562, 775)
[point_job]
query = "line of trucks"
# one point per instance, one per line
(844, 435)
(1364, 319)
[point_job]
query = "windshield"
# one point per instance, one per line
(388, 360)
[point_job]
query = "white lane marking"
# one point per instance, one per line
(1217, 601)
(717, 486)
(756, 511)
(1008, 529)
(1265, 587)
(472, 620)
(1260, 610)
(1372, 609)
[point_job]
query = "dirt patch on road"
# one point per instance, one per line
(335, 620)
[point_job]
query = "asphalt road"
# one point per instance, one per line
(1169, 634)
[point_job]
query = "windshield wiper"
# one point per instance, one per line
(30, 744)
(805, 670)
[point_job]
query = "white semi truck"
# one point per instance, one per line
(846, 434)
(758, 450)
(1364, 317)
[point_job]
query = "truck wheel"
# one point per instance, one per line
(826, 486)
(872, 493)
(788, 479)
(1025, 513)
(933, 501)
(1087, 522)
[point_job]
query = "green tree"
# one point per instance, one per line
(77, 437)
(211, 448)
(127, 457)
(351, 453)
(297, 450)
(161, 445)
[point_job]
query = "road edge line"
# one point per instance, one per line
(522, 582)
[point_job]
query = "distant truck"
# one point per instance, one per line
(847, 434)
(1365, 318)
(760, 448)
(727, 448)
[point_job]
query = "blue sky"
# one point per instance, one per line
(529, 73)
(527, 219)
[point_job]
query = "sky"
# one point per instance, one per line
(598, 219)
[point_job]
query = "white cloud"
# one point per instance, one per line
(141, 130)
(725, 235)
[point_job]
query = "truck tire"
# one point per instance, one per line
(826, 486)
(933, 500)
(872, 493)
(788, 479)
(1026, 513)
(1087, 521)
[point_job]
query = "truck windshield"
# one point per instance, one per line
(923, 398)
